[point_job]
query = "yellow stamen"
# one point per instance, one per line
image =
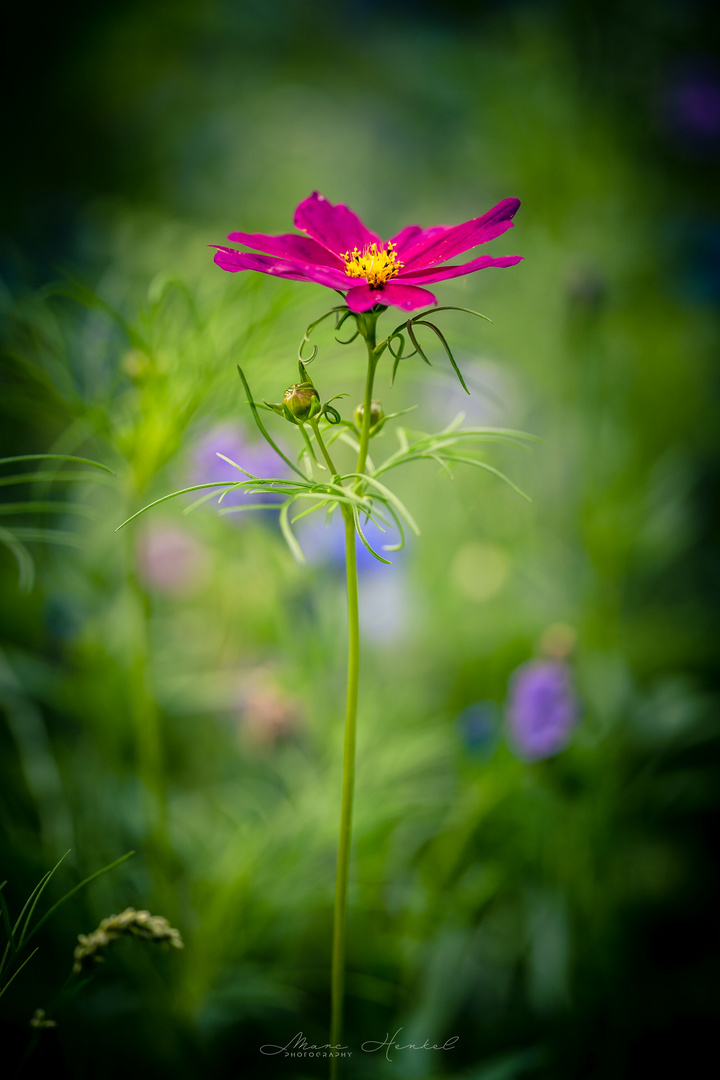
(376, 266)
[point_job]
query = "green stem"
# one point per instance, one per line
(341, 880)
(366, 326)
(372, 364)
(323, 448)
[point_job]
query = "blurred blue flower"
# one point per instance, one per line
(257, 457)
(323, 543)
(478, 727)
(386, 598)
(542, 709)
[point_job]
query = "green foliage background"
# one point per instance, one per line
(559, 917)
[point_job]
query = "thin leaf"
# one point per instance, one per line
(416, 343)
(52, 477)
(288, 533)
(366, 543)
(451, 358)
(391, 498)
(309, 445)
(311, 510)
(83, 883)
(43, 880)
(172, 495)
(433, 311)
(52, 507)
(26, 566)
(8, 927)
(50, 536)
(39, 891)
(12, 977)
(491, 469)
(241, 509)
(198, 502)
(311, 327)
(250, 476)
(56, 457)
(261, 426)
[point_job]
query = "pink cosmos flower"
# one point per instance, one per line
(340, 252)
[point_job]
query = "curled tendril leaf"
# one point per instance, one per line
(343, 318)
(311, 327)
(331, 415)
(306, 359)
(399, 354)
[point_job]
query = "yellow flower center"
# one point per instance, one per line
(376, 266)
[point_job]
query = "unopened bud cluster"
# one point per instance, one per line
(132, 923)
(376, 414)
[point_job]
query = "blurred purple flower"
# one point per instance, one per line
(692, 107)
(542, 709)
(257, 457)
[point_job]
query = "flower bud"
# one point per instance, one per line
(302, 401)
(376, 414)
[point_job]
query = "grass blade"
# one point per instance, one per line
(38, 893)
(26, 566)
(15, 975)
(85, 881)
(75, 477)
(56, 457)
(49, 536)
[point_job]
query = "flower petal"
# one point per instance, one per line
(407, 297)
(441, 273)
(232, 260)
(337, 228)
(438, 247)
(289, 246)
(409, 237)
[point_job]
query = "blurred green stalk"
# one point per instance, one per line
(146, 721)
